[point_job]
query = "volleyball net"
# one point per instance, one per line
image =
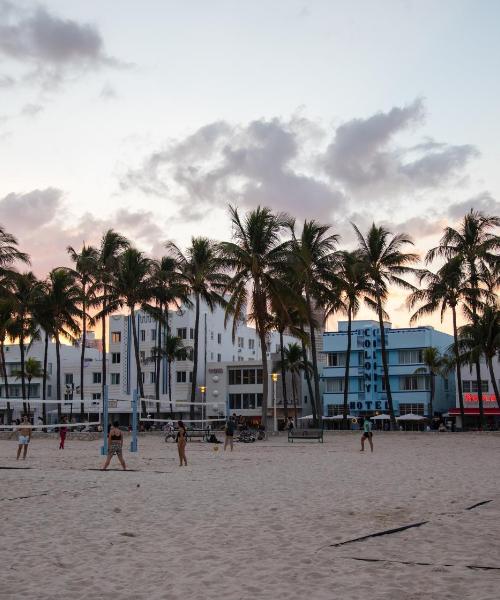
(90, 407)
(151, 409)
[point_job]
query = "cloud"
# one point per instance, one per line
(6, 81)
(364, 157)
(50, 47)
(108, 92)
(483, 202)
(31, 110)
(30, 210)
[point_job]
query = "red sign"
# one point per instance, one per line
(475, 398)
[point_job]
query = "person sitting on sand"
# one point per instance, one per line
(181, 443)
(115, 446)
(367, 434)
(23, 437)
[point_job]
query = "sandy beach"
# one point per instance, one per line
(261, 522)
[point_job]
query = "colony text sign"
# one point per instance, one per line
(475, 398)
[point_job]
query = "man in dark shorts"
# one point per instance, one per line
(229, 434)
(367, 434)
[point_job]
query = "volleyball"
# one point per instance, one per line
(216, 448)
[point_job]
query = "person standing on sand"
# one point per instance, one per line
(23, 437)
(62, 433)
(229, 434)
(181, 443)
(367, 434)
(115, 446)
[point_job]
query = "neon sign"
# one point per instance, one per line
(475, 398)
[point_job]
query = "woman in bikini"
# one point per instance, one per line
(181, 443)
(115, 446)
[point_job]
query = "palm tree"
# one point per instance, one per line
(9, 254)
(32, 368)
(350, 284)
(172, 349)
(255, 255)
(64, 299)
(112, 244)
(476, 248)
(86, 263)
(24, 291)
(293, 363)
(201, 271)
(435, 364)
(6, 323)
(132, 287)
(313, 257)
(442, 291)
(386, 264)
(482, 338)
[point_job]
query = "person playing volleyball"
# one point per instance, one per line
(23, 437)
(181, 443)
(115, 446)
(367, 434)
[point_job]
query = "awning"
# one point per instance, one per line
(475, 412)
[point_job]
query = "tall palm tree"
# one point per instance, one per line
(132, 287)
(442, 291)
(32, 368)
(313, 258)
(112, 245)
(482, 338)
(351, 283)
(254, 256)
(86, 271)
(6, 323)
(386, 265)
(172, 349)
(9, 255)
(294, 364)
(24, 291)
(202, 273)
(435, 363)
(64, 299)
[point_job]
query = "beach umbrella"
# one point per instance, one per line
(305, 417)
(338, 418)
(381, 418)
(410, 417)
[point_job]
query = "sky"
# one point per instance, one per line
(151, 117)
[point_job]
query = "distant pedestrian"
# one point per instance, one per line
(367, 434)
(181, 443)
(23, 437)
(229, 434)
(290, 425)
(62, 433)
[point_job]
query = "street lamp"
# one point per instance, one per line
(274, 377)
(203, 389)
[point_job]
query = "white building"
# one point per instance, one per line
(471, 396)
(215, 345)
(70, 378)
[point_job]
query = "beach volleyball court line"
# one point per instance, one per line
(422, 564)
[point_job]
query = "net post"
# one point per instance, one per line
(105, 418)
(135, 401)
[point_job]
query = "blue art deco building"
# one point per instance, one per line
(409, 378)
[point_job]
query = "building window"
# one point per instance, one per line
(240, 359)
(115, 358)
(181, 377)
(191, 333)
(96, 396)
(234, 376)
(335, 409)
(413, 383)
(49, 369)
(259, 400)
(211, 355)
(248, 401)
(152, 377)
(115, 378)
(336, 359)
(251, 344)
(241, 342)
(153, 335)
(411, 357)
(68, 378)
(219, 357)
(49, 391)
(96, 377)
(471, 386)
(143, 377)
(235, 401)
(116, 337)
(259, 376)
(248, 376)
(335, 385)
(182, 333)
(211, 335)
(416, 409)
(143, 335)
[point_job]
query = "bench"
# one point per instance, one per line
(197, 433)
(305, 434)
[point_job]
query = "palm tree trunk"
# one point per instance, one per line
(477, 366)
(384, 363)
(195, 356)
(23, 380)
(431, 395)
(347, 366)
(82, 357)
(158, 358)
(44, 377)
(493, 380)
(28, 395)
(58, 375)
(314, 356)
(4, 373)
(294, 394)
(308, 378)
(169, 383)
(137, 359)
(457, 366)
(283, 377)
(103, 322)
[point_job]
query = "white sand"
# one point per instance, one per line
(255, 524)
